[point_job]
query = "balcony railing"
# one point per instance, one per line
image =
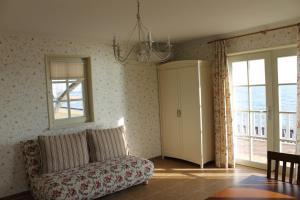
(259, 132)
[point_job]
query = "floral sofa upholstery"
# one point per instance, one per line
(90, 182)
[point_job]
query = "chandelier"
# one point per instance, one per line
(144, 48)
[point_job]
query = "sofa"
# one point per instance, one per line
(91, 181)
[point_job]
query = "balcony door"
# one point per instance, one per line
(285, 89)
(264, 104)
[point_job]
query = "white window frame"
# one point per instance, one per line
(275, 55)
(87, 94)
(272, 96)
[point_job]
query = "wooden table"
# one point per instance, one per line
(257, 187)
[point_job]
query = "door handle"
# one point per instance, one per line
(178, 113)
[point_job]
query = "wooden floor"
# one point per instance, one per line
(176, 179)
(179, 180)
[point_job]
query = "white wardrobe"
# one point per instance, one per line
(186, 110)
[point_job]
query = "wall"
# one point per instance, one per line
(199, 49)
(128, 93)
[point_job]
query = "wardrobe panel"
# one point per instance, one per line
(168, 111)
(206, 111)
(190, 118)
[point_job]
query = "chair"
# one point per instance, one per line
(285, 158)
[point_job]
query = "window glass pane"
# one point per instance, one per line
(58, 89)
(241, 123)
(258, 124)
(75, 91)
(287, 69)
(242, 150)
(241, 98)
(287, 126)
(287, 98)
(258, 98)
(288, 147)
(259, 150)
(60, 110)
(239, 73)
(77, 108)
(256, 72)
(259, 132)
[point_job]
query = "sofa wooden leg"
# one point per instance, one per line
(146, 183)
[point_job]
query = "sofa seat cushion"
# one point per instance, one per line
(94, 180)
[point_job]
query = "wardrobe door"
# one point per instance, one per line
(168, 110)
(190, 117)
(206, 94)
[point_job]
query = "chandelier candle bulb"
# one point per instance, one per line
(150, 40)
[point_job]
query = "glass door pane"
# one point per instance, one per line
(241, 107)
(250, 110)
(258, 118)
(287, 94)
(241, 132)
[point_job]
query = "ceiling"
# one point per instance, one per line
(180, 19)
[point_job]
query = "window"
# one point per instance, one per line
(264, 104)
(250, 110)
(287, 93)
(69, 97)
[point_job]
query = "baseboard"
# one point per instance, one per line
(19, 196)
(155, 158)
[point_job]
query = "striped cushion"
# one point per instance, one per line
(106, 144)
(62, 152)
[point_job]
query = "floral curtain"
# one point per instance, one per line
(222, 110)
(298, 96)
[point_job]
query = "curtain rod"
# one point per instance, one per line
(257, 32)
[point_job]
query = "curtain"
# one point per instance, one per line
(224, 149)
(298, 97)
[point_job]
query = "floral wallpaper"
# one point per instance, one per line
(122, 94)
(199, 49)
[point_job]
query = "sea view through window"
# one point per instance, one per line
(264, 105)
